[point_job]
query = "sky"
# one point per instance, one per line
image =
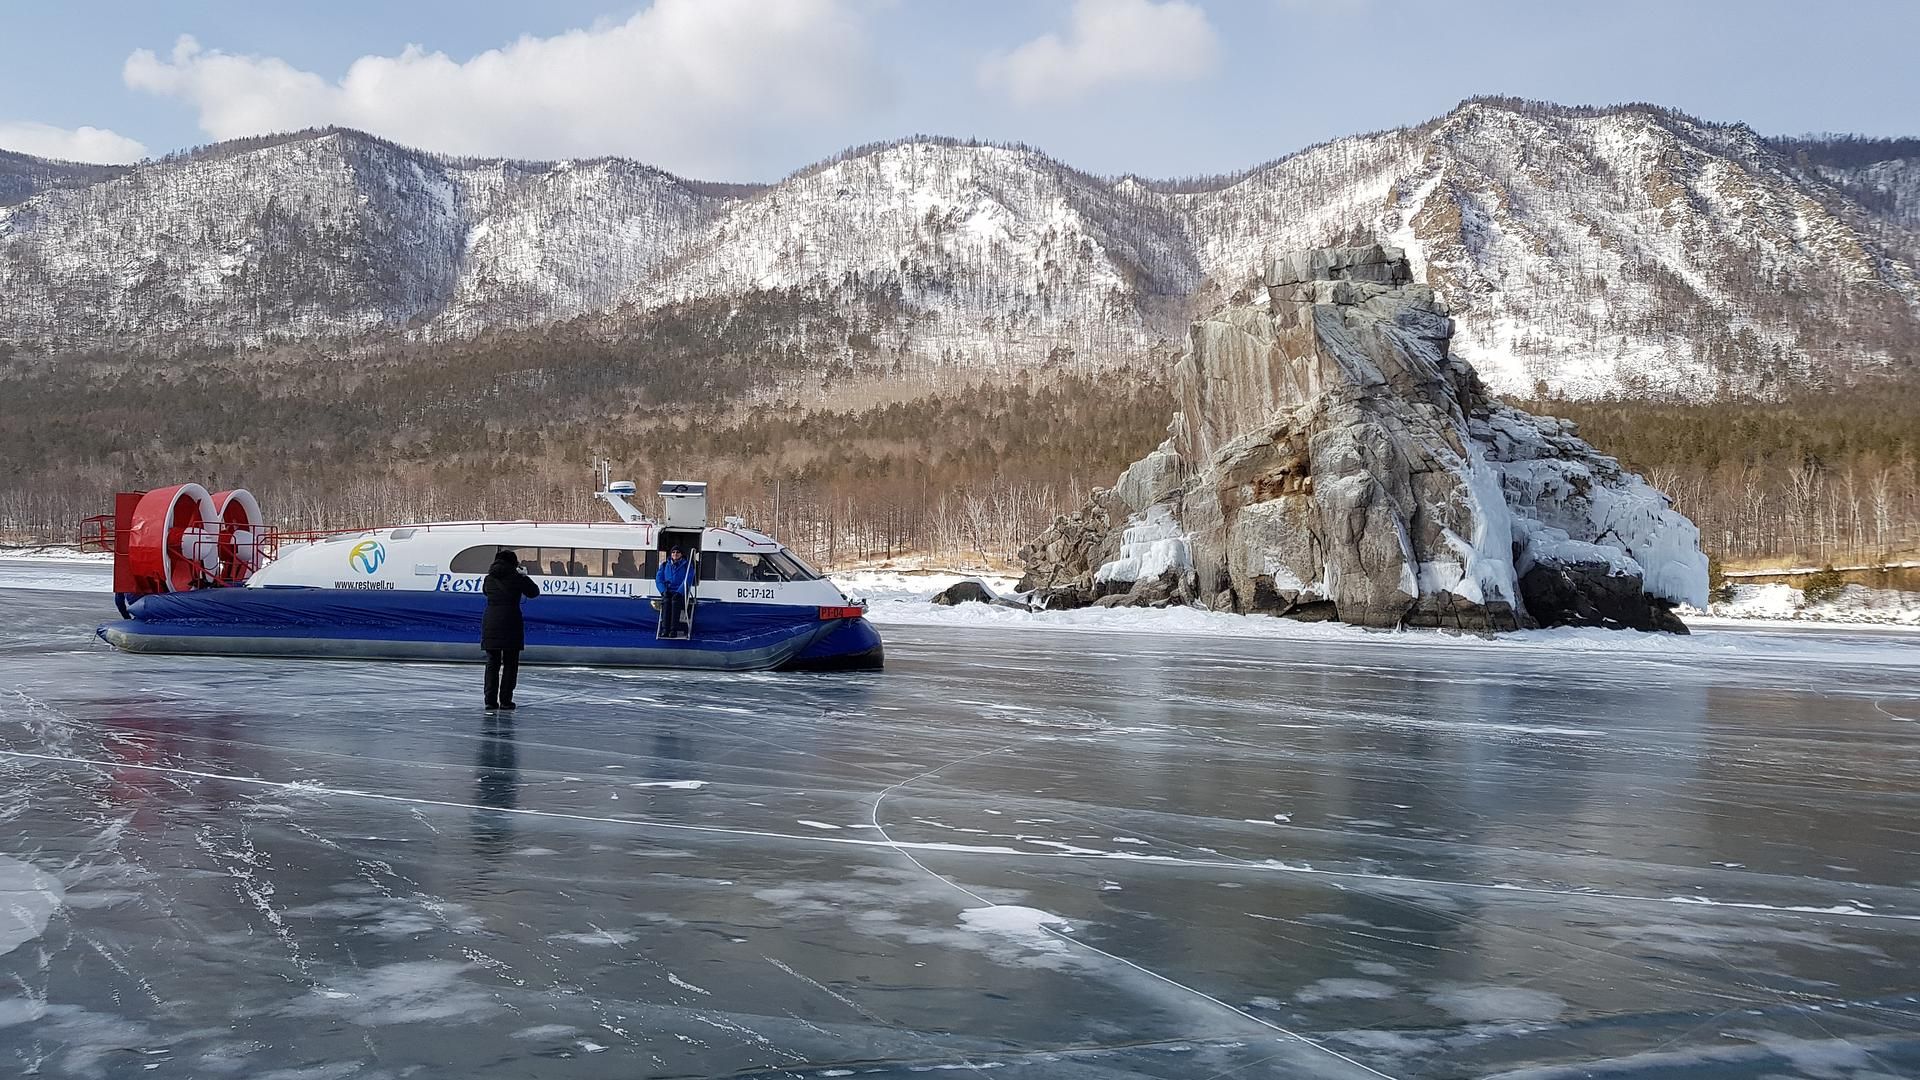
(750, 90)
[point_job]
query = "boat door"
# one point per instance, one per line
(683, 521)
(688, 541)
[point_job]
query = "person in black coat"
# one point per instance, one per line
(503, 633)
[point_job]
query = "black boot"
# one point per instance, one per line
(492, 681)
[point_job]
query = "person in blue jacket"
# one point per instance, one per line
(675, 579)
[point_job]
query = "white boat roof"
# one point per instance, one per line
(582, 534)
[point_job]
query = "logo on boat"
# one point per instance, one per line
(367, 555)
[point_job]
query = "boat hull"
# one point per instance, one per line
(445, 627)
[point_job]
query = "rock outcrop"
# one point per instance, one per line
(964, 591)
(975, 591)
(1331, 459)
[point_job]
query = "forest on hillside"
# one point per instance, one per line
(965, 468)
(806, 424)
(1814, 478)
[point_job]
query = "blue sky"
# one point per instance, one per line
(752, 89)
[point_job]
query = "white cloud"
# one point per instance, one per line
(69, 144)
(1109, 42)
(685, 84)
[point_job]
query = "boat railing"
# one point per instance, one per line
(99, 533)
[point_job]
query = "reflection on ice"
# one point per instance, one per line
(1081, 854)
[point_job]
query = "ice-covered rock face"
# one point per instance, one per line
(1331, 458)
(1150, 546)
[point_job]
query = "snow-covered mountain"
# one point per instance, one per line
(1010, 255)
(1626, 249)
(329, 234)
(22, 176)
(1630, 249)
(1882, 175)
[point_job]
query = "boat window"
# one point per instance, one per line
(569, 562)
(563, 562)
(474, 560)
(741, 566)
(790, 566)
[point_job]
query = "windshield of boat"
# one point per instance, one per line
(753, 566)
(800, 569)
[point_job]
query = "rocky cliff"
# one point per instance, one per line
(1331, 458)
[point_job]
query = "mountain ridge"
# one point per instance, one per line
(1590, 250)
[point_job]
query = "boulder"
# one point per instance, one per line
(976, 591)
(1593, 592)
(1062, 598)
(967, 591)
(1331, 458)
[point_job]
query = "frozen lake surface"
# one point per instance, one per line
(1019, 851)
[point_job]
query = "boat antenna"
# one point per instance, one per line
(616, 494)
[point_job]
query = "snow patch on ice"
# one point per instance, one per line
(28, 899)
(1748, 940)
(1070, 849)
(1345, 990)
(1481, 1003)
(685, 985)
(605, 938)
(1025, 925)
(410, 992)
(1398, 1043)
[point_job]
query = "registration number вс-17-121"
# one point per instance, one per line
(752, 592)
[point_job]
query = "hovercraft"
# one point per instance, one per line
(197, 572)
